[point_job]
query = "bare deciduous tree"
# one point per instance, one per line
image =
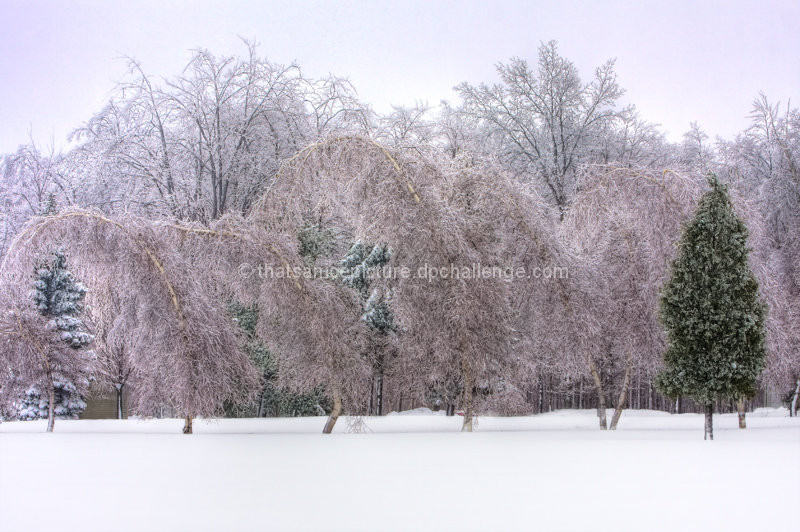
(548, 121)
(622, 227)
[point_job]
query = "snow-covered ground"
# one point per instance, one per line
(550, 472)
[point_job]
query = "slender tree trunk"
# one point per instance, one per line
(793, 407)
(468, 385)
(371, 404)
(261, 398)
(467, 426)
(709, 430)
(740, 408)
(541, 395)
(623, 396)
(187, 425)
(335, 412)
(379, 393)
(119, 388)
(571, 393)
(601, 396)
(451, 410)
(51, 411)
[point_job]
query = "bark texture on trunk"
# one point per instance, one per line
(601, 396)
(623, 396)
(187, 425)
(709, 429)
(740, 409)
(51, 411)
(467, 426)
(119, 388)
(335, 412)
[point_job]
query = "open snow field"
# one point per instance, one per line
(552, 472)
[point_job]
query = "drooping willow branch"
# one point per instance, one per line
(183, 344)
(306, 152)
(241, 237)
(31, 230)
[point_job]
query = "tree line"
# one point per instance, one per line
(176, 183)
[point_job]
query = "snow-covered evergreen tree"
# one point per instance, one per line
(273, 400)
(58, 297)
(711, 309)
(68, 402)
(360, 263)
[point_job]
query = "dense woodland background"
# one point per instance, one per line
(176, 183)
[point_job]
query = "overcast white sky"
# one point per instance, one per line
(679, 60)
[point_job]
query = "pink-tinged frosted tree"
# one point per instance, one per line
(47, 350)
(451, 326)
(309, 323)
(763, 164)
(515, 230)
(113, 321)
(621, 229)
(187, 355)
(34, 356)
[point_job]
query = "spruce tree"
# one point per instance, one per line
(711, 309)
(360, 263)
(273, 400)
(58, 297)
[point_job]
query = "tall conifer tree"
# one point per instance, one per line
(59, 298)
(711, 309)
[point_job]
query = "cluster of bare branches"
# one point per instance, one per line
(160, 322)
(171, 331)
(190, 193)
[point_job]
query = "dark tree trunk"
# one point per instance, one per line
(371, 403)
(51, 411)
(379, 393)
(793, 406)
(335, 412)
(623, 396)
(262, 396)
(740, 408)
(187, 425)
(119, 388)
(451, 409)
(541, 395)
(709, 429)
